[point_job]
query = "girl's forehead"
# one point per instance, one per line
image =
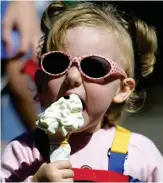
(84, 40)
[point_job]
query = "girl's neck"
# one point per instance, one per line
(79, 140)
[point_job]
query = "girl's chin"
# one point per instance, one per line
(87, 128)
(83, 129)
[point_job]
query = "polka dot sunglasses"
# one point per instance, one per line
(93, 67)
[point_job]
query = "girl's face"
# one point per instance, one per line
(96, 97)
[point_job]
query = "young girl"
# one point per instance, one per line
(94, 53)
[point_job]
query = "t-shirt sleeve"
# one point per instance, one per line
(20, 160)
(144, 161)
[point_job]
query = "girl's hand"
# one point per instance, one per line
(59, 171)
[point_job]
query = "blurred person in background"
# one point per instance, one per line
(20, 36)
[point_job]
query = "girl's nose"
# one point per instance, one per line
(73, 77)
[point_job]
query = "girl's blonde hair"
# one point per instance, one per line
(136, 40)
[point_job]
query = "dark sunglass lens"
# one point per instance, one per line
(95, 67)
(55, 63)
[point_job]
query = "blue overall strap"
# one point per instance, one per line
(118, 152)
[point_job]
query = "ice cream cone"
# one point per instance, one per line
(60, 152)
(58, 121)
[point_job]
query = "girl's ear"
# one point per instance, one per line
(126, 88)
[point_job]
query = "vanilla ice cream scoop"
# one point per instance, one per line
(62, 116)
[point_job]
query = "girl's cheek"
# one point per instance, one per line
(57, 87)
(46, 98)
(53, 88)
(48, 93)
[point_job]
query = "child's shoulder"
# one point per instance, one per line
(142, 143)
(137, 141)
(21, 153)
(138, 145)
(22, 149)
(19, 145)
(144, 151)
(28, 140)
(144, 160)
(25, 139)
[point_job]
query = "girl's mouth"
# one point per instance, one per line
(67, 97)
(83, 104)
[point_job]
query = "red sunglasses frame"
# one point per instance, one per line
(115, 70)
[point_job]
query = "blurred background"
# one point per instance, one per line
(148, 121)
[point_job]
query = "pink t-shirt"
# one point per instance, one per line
(21, 158)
